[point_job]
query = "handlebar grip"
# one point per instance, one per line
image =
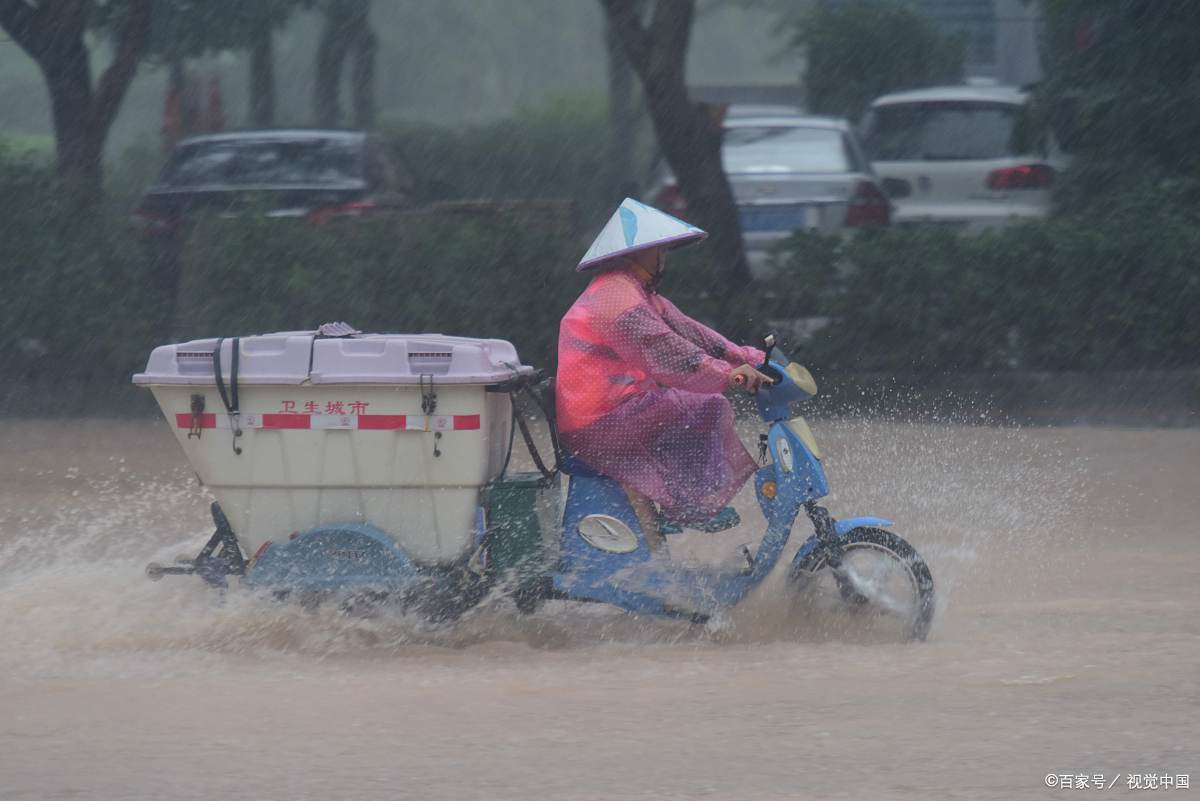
(768, 345)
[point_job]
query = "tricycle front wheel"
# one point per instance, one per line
(876, 576)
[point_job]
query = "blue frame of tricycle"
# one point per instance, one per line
(640, 582)
(357, 557)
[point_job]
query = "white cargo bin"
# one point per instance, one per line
(394, 430)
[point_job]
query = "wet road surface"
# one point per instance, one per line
(1067, 641)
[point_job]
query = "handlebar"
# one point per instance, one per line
(768, 345)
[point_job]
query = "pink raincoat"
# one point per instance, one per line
(639, 397)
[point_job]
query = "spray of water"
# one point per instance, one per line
(984, 506)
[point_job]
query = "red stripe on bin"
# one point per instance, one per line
(382, 422)
(286, 421)
(207, 420)
(364, 422)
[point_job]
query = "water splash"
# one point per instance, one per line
(985, 506)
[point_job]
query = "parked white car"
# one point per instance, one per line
(790, 173)
(967, 156)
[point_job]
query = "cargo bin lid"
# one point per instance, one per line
(280, 358)
(409, 358)
(297, 357)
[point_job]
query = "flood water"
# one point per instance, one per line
(1067, 641)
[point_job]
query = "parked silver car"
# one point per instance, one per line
(967, 157)
(791, 173)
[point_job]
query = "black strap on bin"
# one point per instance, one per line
(547, 412)
(230, 399)
(514, 387)
(547, 474)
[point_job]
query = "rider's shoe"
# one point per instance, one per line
(727, 518)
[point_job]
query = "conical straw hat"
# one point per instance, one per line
(635, 226)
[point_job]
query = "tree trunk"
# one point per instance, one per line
(622, 122)
(690, 136)
(262, 78)
(69, 82)
(363, 77)
(347, 30)
(184, 82)
(691, 144)
(327, 83)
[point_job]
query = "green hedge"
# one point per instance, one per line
(476, 271)
(76, 299)
(82, 302)
(1115, 287)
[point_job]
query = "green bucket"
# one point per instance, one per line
(523, 512)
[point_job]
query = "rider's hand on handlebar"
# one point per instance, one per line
(746, 377)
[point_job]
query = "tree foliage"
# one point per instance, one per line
(183, 29)
(191, 28)
(53, 35)
(1123, 91)
(861, 49)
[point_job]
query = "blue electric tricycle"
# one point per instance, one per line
(605, 555)
(531, 547)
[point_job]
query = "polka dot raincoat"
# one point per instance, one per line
(639, 387)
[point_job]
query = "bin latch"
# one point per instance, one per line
(428, 395)
(429, 406)
(196, 429)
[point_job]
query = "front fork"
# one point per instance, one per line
(823, 524)
(826, 533)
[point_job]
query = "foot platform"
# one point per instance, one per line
(723, 520)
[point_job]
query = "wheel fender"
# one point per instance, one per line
(841, 528)
(844, 527)
(332, 557)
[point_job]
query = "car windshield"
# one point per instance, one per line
(285, 163)
(941, 131)
(785, 149)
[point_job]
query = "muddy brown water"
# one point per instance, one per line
(1067, 641)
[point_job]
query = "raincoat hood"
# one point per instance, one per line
(635, 226)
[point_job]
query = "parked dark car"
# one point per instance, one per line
(306, 176)
(314, 175)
